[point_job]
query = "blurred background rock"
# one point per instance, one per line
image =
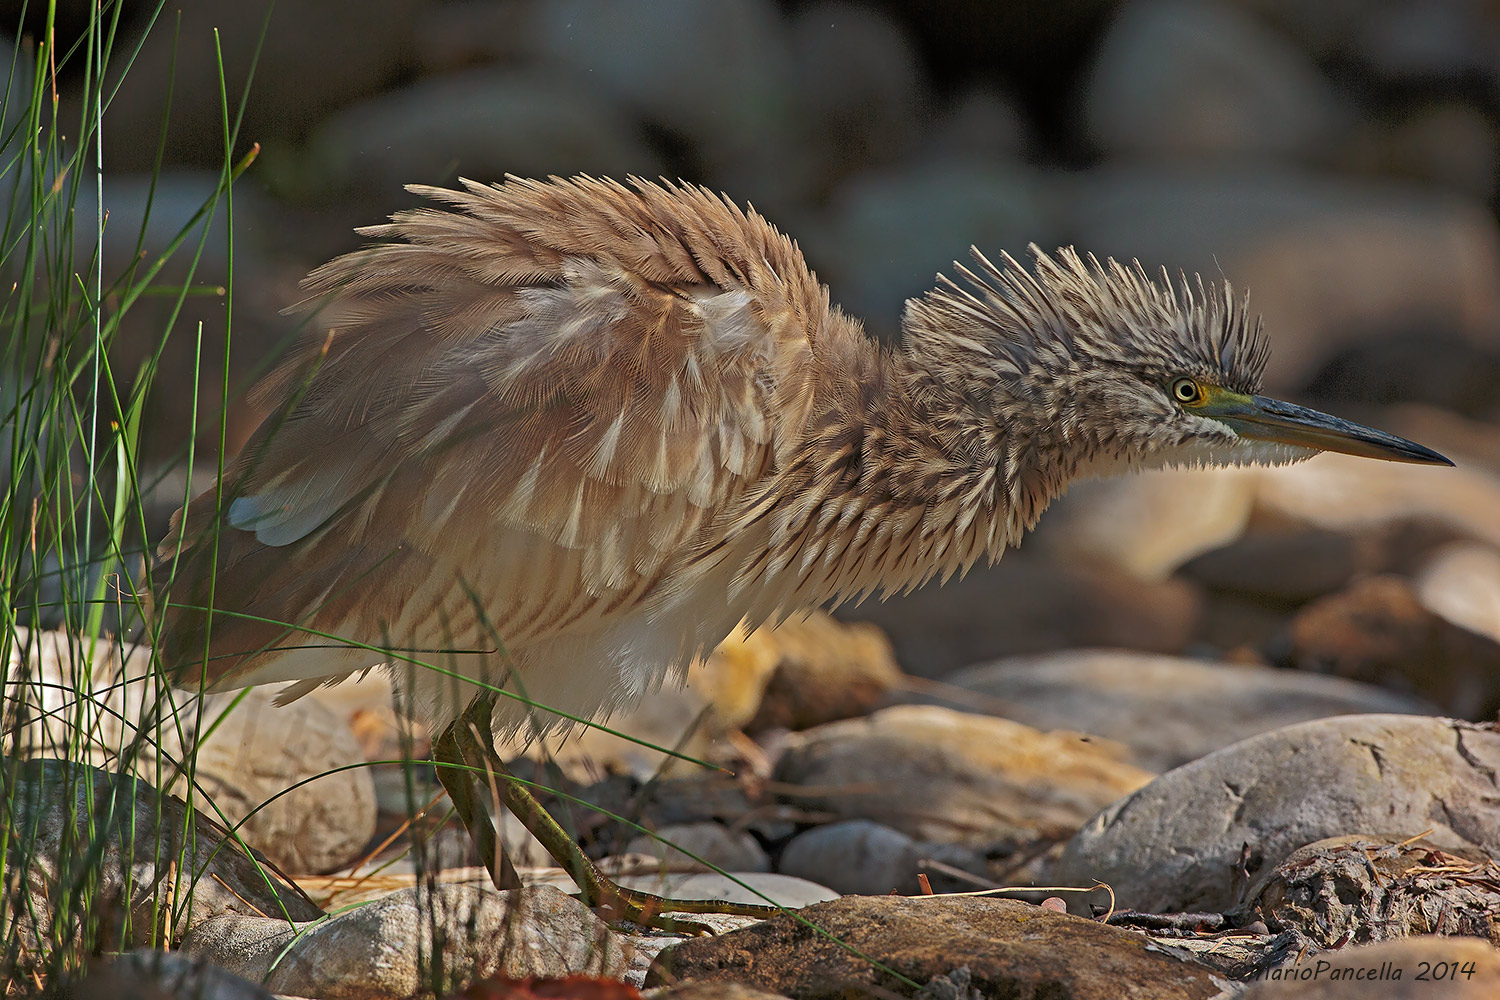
(1339, 159)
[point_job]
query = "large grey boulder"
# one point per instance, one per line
(1167, 709)
(954, 777)
(88, 845)
(859, 945)
(416, 942)
(1175, 844)
(110, 708)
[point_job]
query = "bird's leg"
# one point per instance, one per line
(598, 890)
(454, 752)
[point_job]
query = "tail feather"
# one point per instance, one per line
(235, 611)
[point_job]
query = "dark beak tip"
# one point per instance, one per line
(1416, 454)
(1276, 419)
(1420, 454)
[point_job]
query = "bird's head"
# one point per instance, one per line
(1096, 369)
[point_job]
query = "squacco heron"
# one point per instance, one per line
(560, 437)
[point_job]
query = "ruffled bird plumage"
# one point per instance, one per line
(566, 434)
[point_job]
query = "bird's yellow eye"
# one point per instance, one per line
(1186, 390)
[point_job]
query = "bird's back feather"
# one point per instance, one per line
(519, 414)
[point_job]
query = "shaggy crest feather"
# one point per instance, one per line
(1072, 307)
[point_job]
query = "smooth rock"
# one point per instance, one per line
(450, 847)
(1285, 567)
(155, 975)
(1147, 526)
(1331, 261)
(1236, 628)
(782, 890)
(548, 988)
(716, 844)
(1377, 631)
(1347, 974)
(868, 859)
(261, 749)
(712, 991)
(1027, 604)
(520, 843)
(952, 777)
(854, 856)
(1472, 440)
(255, 749)
(1319, 28)
(149, 974)
(481, 124)
(1344, 493)
(1462, 583)
(1173, 845)
(1177, 79)
(799, 674)
(1254, 585)
(796, 675)
(703, 796)
(366, 694)
(396, 745)
(1168, 710)
(60, 688)
(1011, 949)
(416, 942)
(1358, 889)
(149, 855)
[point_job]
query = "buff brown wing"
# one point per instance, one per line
(516, 413)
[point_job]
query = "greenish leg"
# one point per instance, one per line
(461, 785)
(468, 741)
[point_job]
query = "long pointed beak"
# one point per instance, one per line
(1264, 419)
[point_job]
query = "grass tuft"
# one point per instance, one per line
(73, 525)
